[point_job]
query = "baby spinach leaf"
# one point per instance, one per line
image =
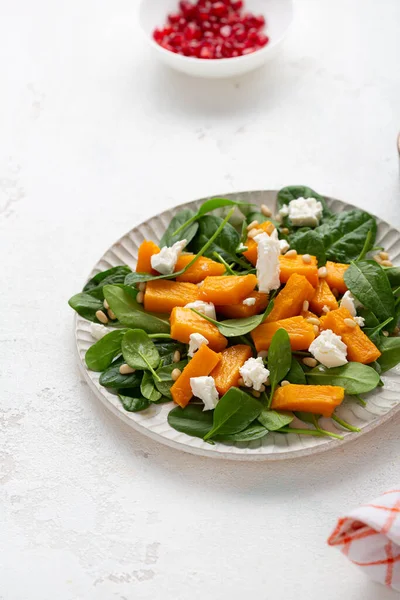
(368, 316)
(309, 242)
(233, 413)
(252, 432)
(100, 356)
(164, 382)
(367, 246)
(132, 401)
(130, 313)
(225, 243)
(148, 388)
(279, 359)
(368, 282)
(275, 419)
(354, 377)
(393, 274)
(86, 306)
(112, 378)
(207, 207)
(296, 373)
(139, 351)
(110, 277)
(344, 234)
(373, 332)
(191, 420)
(181, 222)
(390, 357)
(167, 350)
(292, 192)
(307, 417)
(313, 432)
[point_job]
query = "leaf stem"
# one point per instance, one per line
(361, 400)
(366, 246)
(314, 432)
(344, 424)
(186, 224)
(149, 366)
(223, 261)
(165, 336)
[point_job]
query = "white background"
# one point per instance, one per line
(94, 137)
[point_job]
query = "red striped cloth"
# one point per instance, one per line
(370, 537)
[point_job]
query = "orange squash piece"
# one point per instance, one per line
(335, 277)
(227, 289)
(162, 295)
(317, 399)
(226, 373)
(201, 365)
(323, 297)
(146, 250)
(289, 301)
(295, 264)
(359, 346)
(202, 268)
(301, 333)
(307, 314)
(184, 322)
(241, 311)
(251, 253)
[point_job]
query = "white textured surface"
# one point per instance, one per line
(90, 509)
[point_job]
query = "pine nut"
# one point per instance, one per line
(255, 394)
(310, 362)
(384, 255)
(240, 382)
(313, 321)
(252, 225)
(385, 333)
(266, 211)
(200, 283)
(126, 370)
(386, 263)
(285, 231)
(270, 229)
(377, 258)
(102, 317)
(254, 232)
(335, 292)
(316, 329)
(326, 309)
(106, 305)
(285, 382)
(140, 298)
(177, 356)
(262, 388)
(267, 382)
(291, 253)
(396, 331)
(322, 272)
(350, 323)
(111, 314)
(278, 218)
(142, 286)
(262, 354)
(306, 305)
(176, 373)
(306, 258)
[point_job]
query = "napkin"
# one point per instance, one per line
(370, 537)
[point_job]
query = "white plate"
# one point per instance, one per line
(382, 403)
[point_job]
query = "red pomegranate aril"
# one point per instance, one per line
(262, 39)
(219, 9)
(207, 52)
(226, 31)
(174, 18)
(249, 50)
(237, 4)
(187, 8)
(208, 34)
(259, 20)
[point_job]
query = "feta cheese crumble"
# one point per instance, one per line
(204, 388)
(284, 211)
(249, 301)
(254, 373)
(305, 212)
(348, 301)
(268, 267)
(329, 349)
(196, 341)
(99, 331)
(284, 246)
(205, 308)
(165, 261)
(360, 321)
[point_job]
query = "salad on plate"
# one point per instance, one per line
(249, 322)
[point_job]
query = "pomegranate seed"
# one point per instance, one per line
(174, 17)
(187, 9)
(240, 33)
(249, 50)
(259, 20)
(226, 31)
(262, 39)
(158, 35)
(237, 4)
(207, 52)
(219, 9)
(208, 34)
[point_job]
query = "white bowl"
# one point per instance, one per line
(278, 14)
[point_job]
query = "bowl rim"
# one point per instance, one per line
(224, 61)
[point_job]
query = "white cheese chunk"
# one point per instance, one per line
(205, 308)
(329, 349)
(99, 331)
(254, 373)
(249, 301)
(284, 246)
(305, 212)
(165, 261)
(196, 341)
(204, 388)
(268, 267)
(284, 211)
(360, 321)
(348, 301)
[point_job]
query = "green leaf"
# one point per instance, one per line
(367, 246)
(393, 274)
(225, 242)
(134, 402)
(279, 359)
(292, 192)
(100, 356)
(296, 374)
(309, 242)
(275, 419)
(187, 233)
(368, 316)
(233, 413)
(373, 332)
(130, 313)
(207, 207)
(110, 277)
(368, 282)
(344, 234)
(354, 377)
(252, 432)
(112, 378)
(307, 417)
(390, 357)
(86, 306)
(191, 420)
(139, 351)
(167, 349)
(313, 432)
(148, 389)
(164, 382)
